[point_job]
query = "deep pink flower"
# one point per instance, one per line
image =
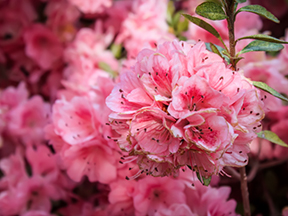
(181, 105)
(42, 46)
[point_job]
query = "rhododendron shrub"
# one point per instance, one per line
(182, 105)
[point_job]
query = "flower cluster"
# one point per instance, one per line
(181, 105)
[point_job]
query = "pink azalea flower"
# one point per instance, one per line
(75, 120)
(60, 21)
(37, 213)
(89, 48)
(181, 105)
(12, 97)
(94, 159)
(90, 6)
(27, 120)
(32, 190)
(156, 194)
(13, 21)
(121, 197)
(145, 24)
(42, 46)
(204, 200)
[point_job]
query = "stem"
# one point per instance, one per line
(244, 191)
(229, 7)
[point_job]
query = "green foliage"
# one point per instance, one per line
(263, 37)
(261, 11)
(211, 10)
(116, 49)
(240, 1)
(258, 45)
(104, 66)
(270, 90)
(178, 26)
(201, 23)
(218, 50)
(203, 180)
(272, 137)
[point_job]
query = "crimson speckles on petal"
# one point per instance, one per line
(184, 107)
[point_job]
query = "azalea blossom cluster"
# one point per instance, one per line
(181, 105)
(97, 92)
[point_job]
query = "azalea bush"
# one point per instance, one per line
(137, 107)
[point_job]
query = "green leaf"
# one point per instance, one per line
(116, 50)
(104, 66)
(261, 11)
(170, 11)
(211, 10)
(182, 26)
(220, 50)
(258, 45)
(272, 137)
(240, 1)
(215, 50)
(270, 90)
(201, 23)
(263, 37)
(175, 19)
(203, 180)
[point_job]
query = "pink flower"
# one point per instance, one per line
(181, 105)
(12, 97)
(28, 119)
(42, 46)
(204, 200)
(23, 120)
(60, 21)
(121, 197)
(13, 20)
(94, 159)
(145, 25)
(90, 6)
(156, 194)
(37, 213)
(75, 121)
(268, 72)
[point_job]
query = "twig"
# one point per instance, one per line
(244, 191)
(272, 163)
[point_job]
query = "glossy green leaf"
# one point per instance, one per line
(258, 45)
(211, 10)
(263, 37)
(261, 11)
(265, 87)
(240, 1)
(272, 137)
(203, 180)
(201, 23)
